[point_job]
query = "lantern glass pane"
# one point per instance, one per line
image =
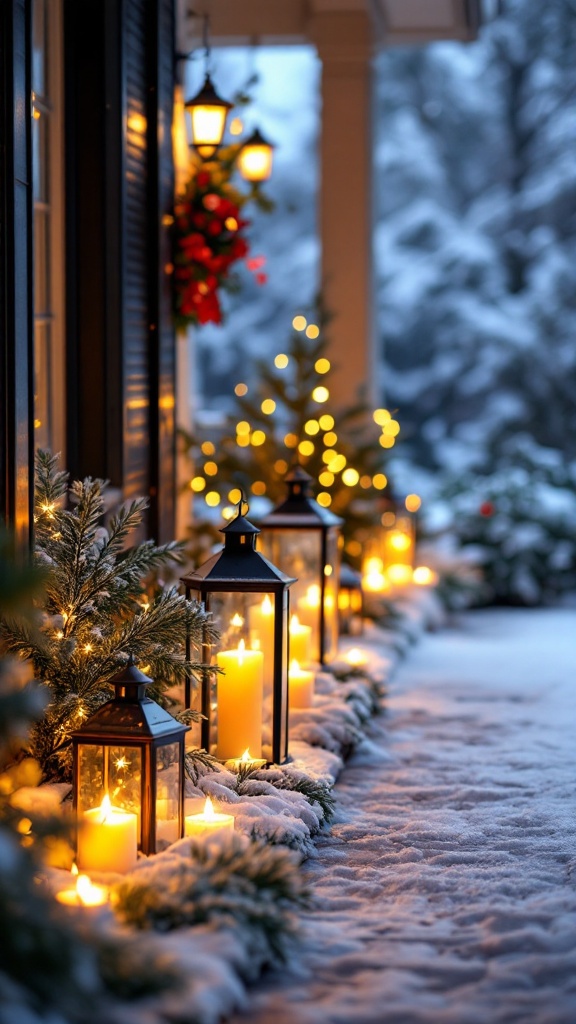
(241, 704)
(208, 124)
(299, 553)
(168, 789)
(115, 772)
(255, 162)
(331, 574)
(399, 547)
(280, 698)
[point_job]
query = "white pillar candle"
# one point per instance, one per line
(262, 634)
(309, 615)
(108, 839)
(246, 761)
(209, 823)
(300, 641)
(300, 686)
(240, 693)
(84, 893)
(166, 823)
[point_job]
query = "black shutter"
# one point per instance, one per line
(16, 282)
(127, 350)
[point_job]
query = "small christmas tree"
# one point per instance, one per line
(287, 417)
(97, 609)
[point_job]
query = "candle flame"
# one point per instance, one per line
(266, 605)
(246, 755)
(74, 869)
(313, 596)
(356, 656)
(294, 623)
(209, 810)
(294, 667)
(105, 808)
(236, 620)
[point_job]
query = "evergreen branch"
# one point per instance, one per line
(252, 886)
(198, 762)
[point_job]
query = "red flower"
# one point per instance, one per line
(261, 278)
(202, 179)
(256, 262)
(212, 202)
(486, 508)
(215, 227)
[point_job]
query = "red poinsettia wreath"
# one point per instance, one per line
(208, 240)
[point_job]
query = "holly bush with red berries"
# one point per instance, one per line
(209, 237)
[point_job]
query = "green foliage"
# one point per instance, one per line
(285, 420)
(316, 791)
(199, 762)
(518, 526)
(96, 610)
(48, 968)
(251, 886)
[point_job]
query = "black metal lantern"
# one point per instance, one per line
(128, 764)
(246, 704)
(208, 113)
(255, 158)
(350, 601)
(305, 538)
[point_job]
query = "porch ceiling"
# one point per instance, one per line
(237, 22)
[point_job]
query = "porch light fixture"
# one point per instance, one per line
(255, 158)
(208, 111)
(128, 776)
(245, 705)
(305, 538)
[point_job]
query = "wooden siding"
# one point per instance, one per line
(16, 278)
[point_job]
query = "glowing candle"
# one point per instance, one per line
(300, 686)
(108, 839)
(84, 893)
(309, 607)
(373, 577)
(424, 576)
(209, 823)
(262, 633)
(356, 657)
(240, 701)
(300, 640)
(166, 820)
(246, 761)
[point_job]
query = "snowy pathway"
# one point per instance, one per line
(446, 891)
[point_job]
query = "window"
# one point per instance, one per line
(47, 134)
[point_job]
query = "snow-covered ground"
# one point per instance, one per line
(446, 890)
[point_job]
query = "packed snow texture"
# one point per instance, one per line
(445, 892)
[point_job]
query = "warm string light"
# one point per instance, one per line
(320, 428)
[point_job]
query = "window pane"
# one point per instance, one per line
(41, 263)
(42, 425)
(39, 48)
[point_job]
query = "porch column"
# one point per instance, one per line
(344, 43)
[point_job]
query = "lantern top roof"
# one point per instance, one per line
(238, 564)
(130, 715)
(300, 509)
(207, 97)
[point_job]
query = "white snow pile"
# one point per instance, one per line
(211, 962)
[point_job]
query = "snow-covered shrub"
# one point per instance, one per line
(519, 524)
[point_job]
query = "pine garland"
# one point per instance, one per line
(316, 791)
(96, 611)
(250, 886)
